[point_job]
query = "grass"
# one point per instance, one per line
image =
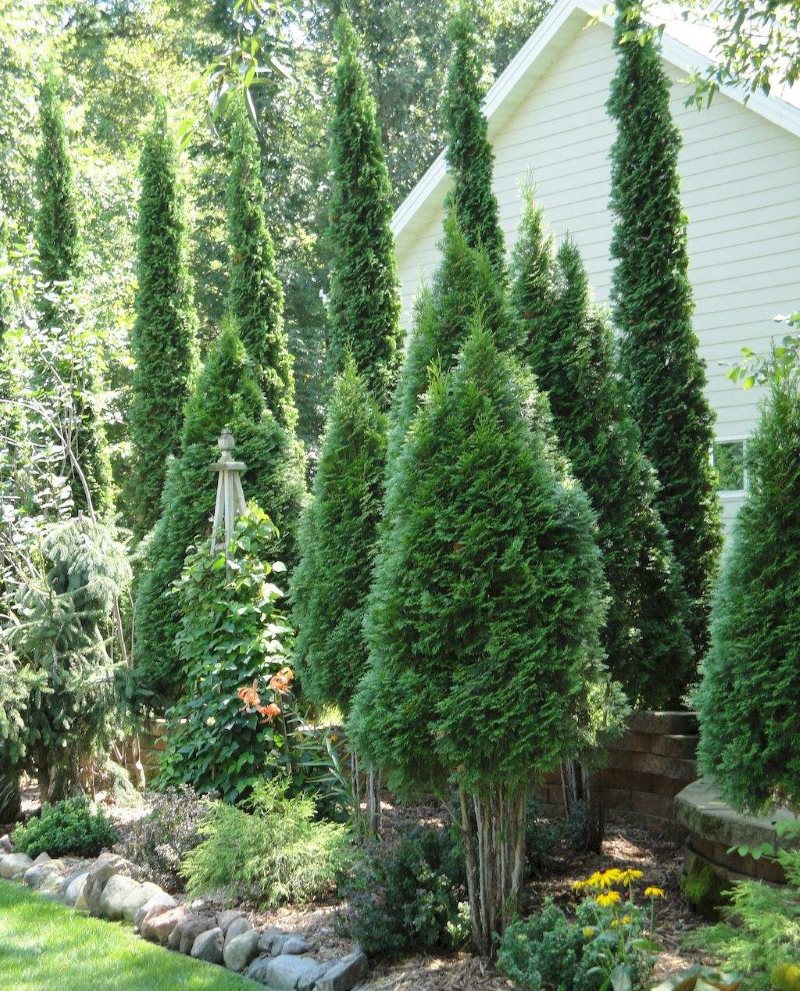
(47, 947)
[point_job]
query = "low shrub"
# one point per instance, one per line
(68, 827)
(272, 850)
(605, 945)
(161, 840)
(407, 898)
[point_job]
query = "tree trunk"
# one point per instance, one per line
(581, 785)
(493, 827)
(9, 795)
(373, 790)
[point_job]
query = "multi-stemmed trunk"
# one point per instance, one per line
(582, 785)
(493, 827)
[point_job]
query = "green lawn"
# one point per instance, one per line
(47, 947)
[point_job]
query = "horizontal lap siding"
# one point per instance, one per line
(740, 183)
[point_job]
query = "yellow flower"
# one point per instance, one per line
(629, 875)
(653, 892)
(588, 932)
(609, 898)
(607, 879)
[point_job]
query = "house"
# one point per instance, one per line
(740, 181)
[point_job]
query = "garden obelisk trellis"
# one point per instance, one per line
(230, 495)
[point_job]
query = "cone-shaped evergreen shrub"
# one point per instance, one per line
(483, 622)
(226, 394)
(163, 336)
(255, 294)
(336, 543)
(364, 301)
(748, 697)
(470, 158)
(652, 307)
(647, 645)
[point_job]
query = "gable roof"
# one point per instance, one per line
(684, 44)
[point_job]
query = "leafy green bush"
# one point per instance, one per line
(549, 951)
(761, 932)
(408, 898)
(274, 853)
(68, 827)
(160, 840)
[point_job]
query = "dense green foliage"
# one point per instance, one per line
(227, 394)
(232, 635)
(488, 586)
(255, 294)
(572, 354)
(747, 700)
(163, 337)
(70, 828)
(405, 898)
(60, 631)
(364, 303)
(274, 853)
(337, 543)
(470, 158)
(761, 935)
(652, 307)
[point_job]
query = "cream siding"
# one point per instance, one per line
(740, 183)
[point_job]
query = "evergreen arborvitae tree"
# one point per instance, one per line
(652, 307)
(227, 394)
(163, 337)
(483, 621)
(364, 299)
(572, 353)
(470, 158)
(336, 543)
(73, 357)
(255, 294)
(747, 701)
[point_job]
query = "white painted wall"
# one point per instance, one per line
(741, 189)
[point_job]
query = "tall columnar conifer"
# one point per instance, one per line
(337, 541)
(748, 696)
(227, 393)
(652, 307)
(364, 300)
(58, 247)
(572, 354)
(255, 293)
(483, 621)
(163, 337)
(470, 158)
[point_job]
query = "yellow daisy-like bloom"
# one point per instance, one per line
(629, 875)
(580, 885)
(653, 892)
(588, 932)
(609, 898)
(607, 879)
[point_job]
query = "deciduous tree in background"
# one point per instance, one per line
(652, 307)
(163, 336)
(364, 309)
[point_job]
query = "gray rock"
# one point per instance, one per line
(43, 858)
(72, 887)
(6, 845)
(122, 896)
(295, 945)
(36, 875)
(160, 897)
(208, 946)
(13, 864)
(236, 927)
(278, 942)
(160, 922)
(240, 950)
(224, 919)
(187, 930)
(285, 973)
(106, 866)
(267, 938)
(345, 973)
(51, 887)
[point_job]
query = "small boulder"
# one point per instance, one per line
(267, 939)
(187, 930)
(161, 898)
(224, 919)
(240, 950)
(208, 946)
(122, 896)
(295, 945)
(278, 942)
(285, 973)
(160, 922)
(6, 846)
(43, 858)
(236, 927)
(13, 864)
(106, 866)
(344, 974)
(36, 875)
(72, 885)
